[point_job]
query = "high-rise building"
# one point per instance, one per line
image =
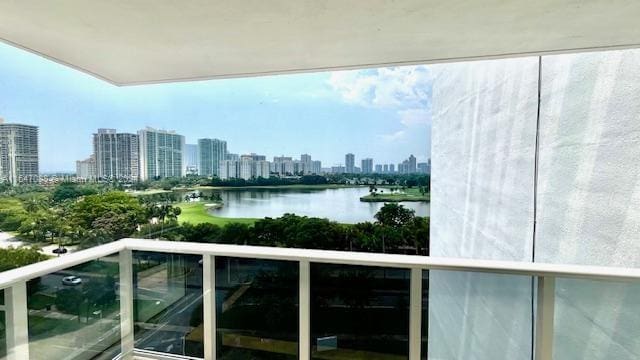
(161, 154)
(385, 168)
(367, 166)
(412, 164)
(86, 169)
(349, 163)
(424, 168)
(117, 155)
(191, 159)
(316, 167)
(305, 160)
(392, 168)
(379, 168)
(283, 165)
(212, 153)
(246, 168)
(19, 158)
(228, 169)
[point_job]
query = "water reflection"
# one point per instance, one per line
(342, 205)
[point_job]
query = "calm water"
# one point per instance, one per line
(342, 205)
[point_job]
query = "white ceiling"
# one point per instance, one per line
(142, 41)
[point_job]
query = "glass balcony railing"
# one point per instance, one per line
(171, 300)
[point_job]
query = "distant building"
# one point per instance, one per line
(367, 166)
(117, 155)
(19, 158)
(212, 152)
(392, 168)
(379, 168)
(283, 165)
(338, 169)
(305, 161)
(231, 156)
(161, 154)
(385, 168)
(412, 164)
(253, 157)
(228, 169)
(425, 167)
(246, 168)
(350, 163)
(191, 159)
(86, 169)
(316, 167)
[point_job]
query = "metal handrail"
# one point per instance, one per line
(543, 275)
(29, 272)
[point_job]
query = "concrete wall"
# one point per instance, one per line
(483, 153)
(588, 197)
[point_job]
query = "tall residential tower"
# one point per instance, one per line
(161, 154)
(19, 161)
(116, 155)
(212, 152)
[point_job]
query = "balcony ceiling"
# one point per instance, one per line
(130, 42)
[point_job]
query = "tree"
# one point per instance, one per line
(12, 258)
(113, 214)
(394, 215)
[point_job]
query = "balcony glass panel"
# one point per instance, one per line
(491, 313)
(168, 303)
(257, 307)
(359, 312)
(75, 313)
(425, 315)
(3, 328)
(596, 320)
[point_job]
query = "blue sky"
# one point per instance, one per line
(379, 113)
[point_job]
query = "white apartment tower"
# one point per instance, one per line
(116, 155)
(161, 154)
(19, 158)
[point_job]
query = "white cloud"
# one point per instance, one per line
(397, 87)
(406, 90)
(393, 136)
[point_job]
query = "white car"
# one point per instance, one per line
(71, 280)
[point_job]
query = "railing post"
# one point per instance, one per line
(16, 315)
(415, 315)
(305, 310)
(545, 310)
(209, 305)
(126, 303)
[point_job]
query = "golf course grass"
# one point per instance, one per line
(196, 213)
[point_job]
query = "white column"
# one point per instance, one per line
(16, 315)
(415, 315)
(209, 305)
(126, 303)
(546, 298)
(305, 311)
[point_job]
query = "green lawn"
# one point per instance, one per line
(149, 192)
(196, 213)
(384, 195)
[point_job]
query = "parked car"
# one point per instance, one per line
(59, 250)
(71, 280)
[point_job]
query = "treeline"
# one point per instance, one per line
(86, 216)
(396, 230)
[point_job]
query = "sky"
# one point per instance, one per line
(381, 113)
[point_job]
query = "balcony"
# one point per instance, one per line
(147, 299)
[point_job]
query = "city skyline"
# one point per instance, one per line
(377, 113)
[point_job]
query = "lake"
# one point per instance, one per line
(341, 205)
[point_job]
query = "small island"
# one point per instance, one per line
(396, 194)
